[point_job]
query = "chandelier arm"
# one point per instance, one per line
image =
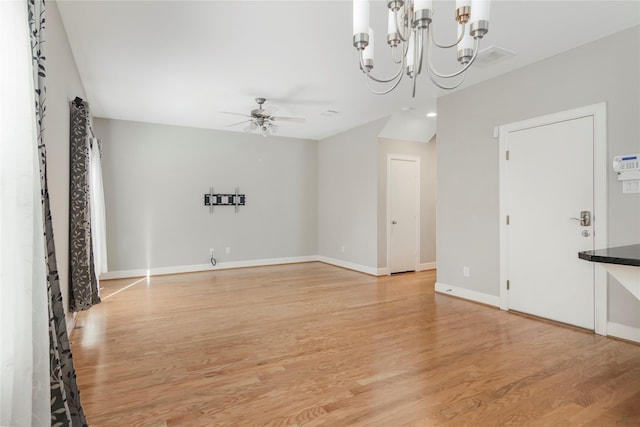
(433, 39)
(366, 71)
(433, 80)
(457, 73)
(383, 92)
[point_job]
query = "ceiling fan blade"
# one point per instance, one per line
(235, 114)
(289, 119)
(239, 123)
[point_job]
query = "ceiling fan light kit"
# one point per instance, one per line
(410, 37)
(262, 119)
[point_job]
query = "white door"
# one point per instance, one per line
(402, 196)
(549, 182)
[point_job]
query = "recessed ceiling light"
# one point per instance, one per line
(329, 113)
(432, 114)
(407, 108)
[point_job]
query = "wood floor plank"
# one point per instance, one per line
(316, 345)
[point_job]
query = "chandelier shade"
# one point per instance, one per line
(411, 40)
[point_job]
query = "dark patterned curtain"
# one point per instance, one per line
(66, 408)
(83, 284)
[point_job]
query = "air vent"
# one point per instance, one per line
(492, 55)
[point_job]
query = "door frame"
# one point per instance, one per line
(600, 237)
(416, 159)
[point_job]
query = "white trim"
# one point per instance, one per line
(204, 267)
(383, 271)
(427, 266)
(600, 209)
(599, 114)
(373, 271)
(416, 159)
(623, 331)
(467, 294)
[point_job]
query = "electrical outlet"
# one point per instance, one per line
(465, 271)
(212, 252)
(342, 249)
(228, 249)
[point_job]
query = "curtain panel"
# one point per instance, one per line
(66, 408)
(24, 343)
(83, 283)
(98, 214)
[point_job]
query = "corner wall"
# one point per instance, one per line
(468, 186)
(347, 198)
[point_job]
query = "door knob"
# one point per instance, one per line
(585, 218)
(394, 222)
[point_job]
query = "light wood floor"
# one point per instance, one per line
(316, 345)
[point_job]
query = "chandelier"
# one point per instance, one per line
(410, 36)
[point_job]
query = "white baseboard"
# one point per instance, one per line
(122, 274)
(623, 331)
(427, 266)
(456, 291)
(373, 271)
(382, 271)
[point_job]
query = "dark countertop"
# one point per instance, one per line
(625, 255)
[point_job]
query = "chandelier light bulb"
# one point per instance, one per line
(410, 55)
(369, 51)
(480, 10)
(393, 37)
(392, 26)
(360, 17)
(479, 18)
(422, 4)
(465, 47)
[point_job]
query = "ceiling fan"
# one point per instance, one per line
(262, 119)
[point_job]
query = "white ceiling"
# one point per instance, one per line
(183, 62)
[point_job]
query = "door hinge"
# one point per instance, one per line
(507, 154)
(508, 285)
(507, 219)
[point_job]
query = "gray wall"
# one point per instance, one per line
(347, 195)
(427, 154)
(63, 84)
(467, 230)
(155, 177)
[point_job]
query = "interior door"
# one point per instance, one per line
(403, 214)
(549, 184)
